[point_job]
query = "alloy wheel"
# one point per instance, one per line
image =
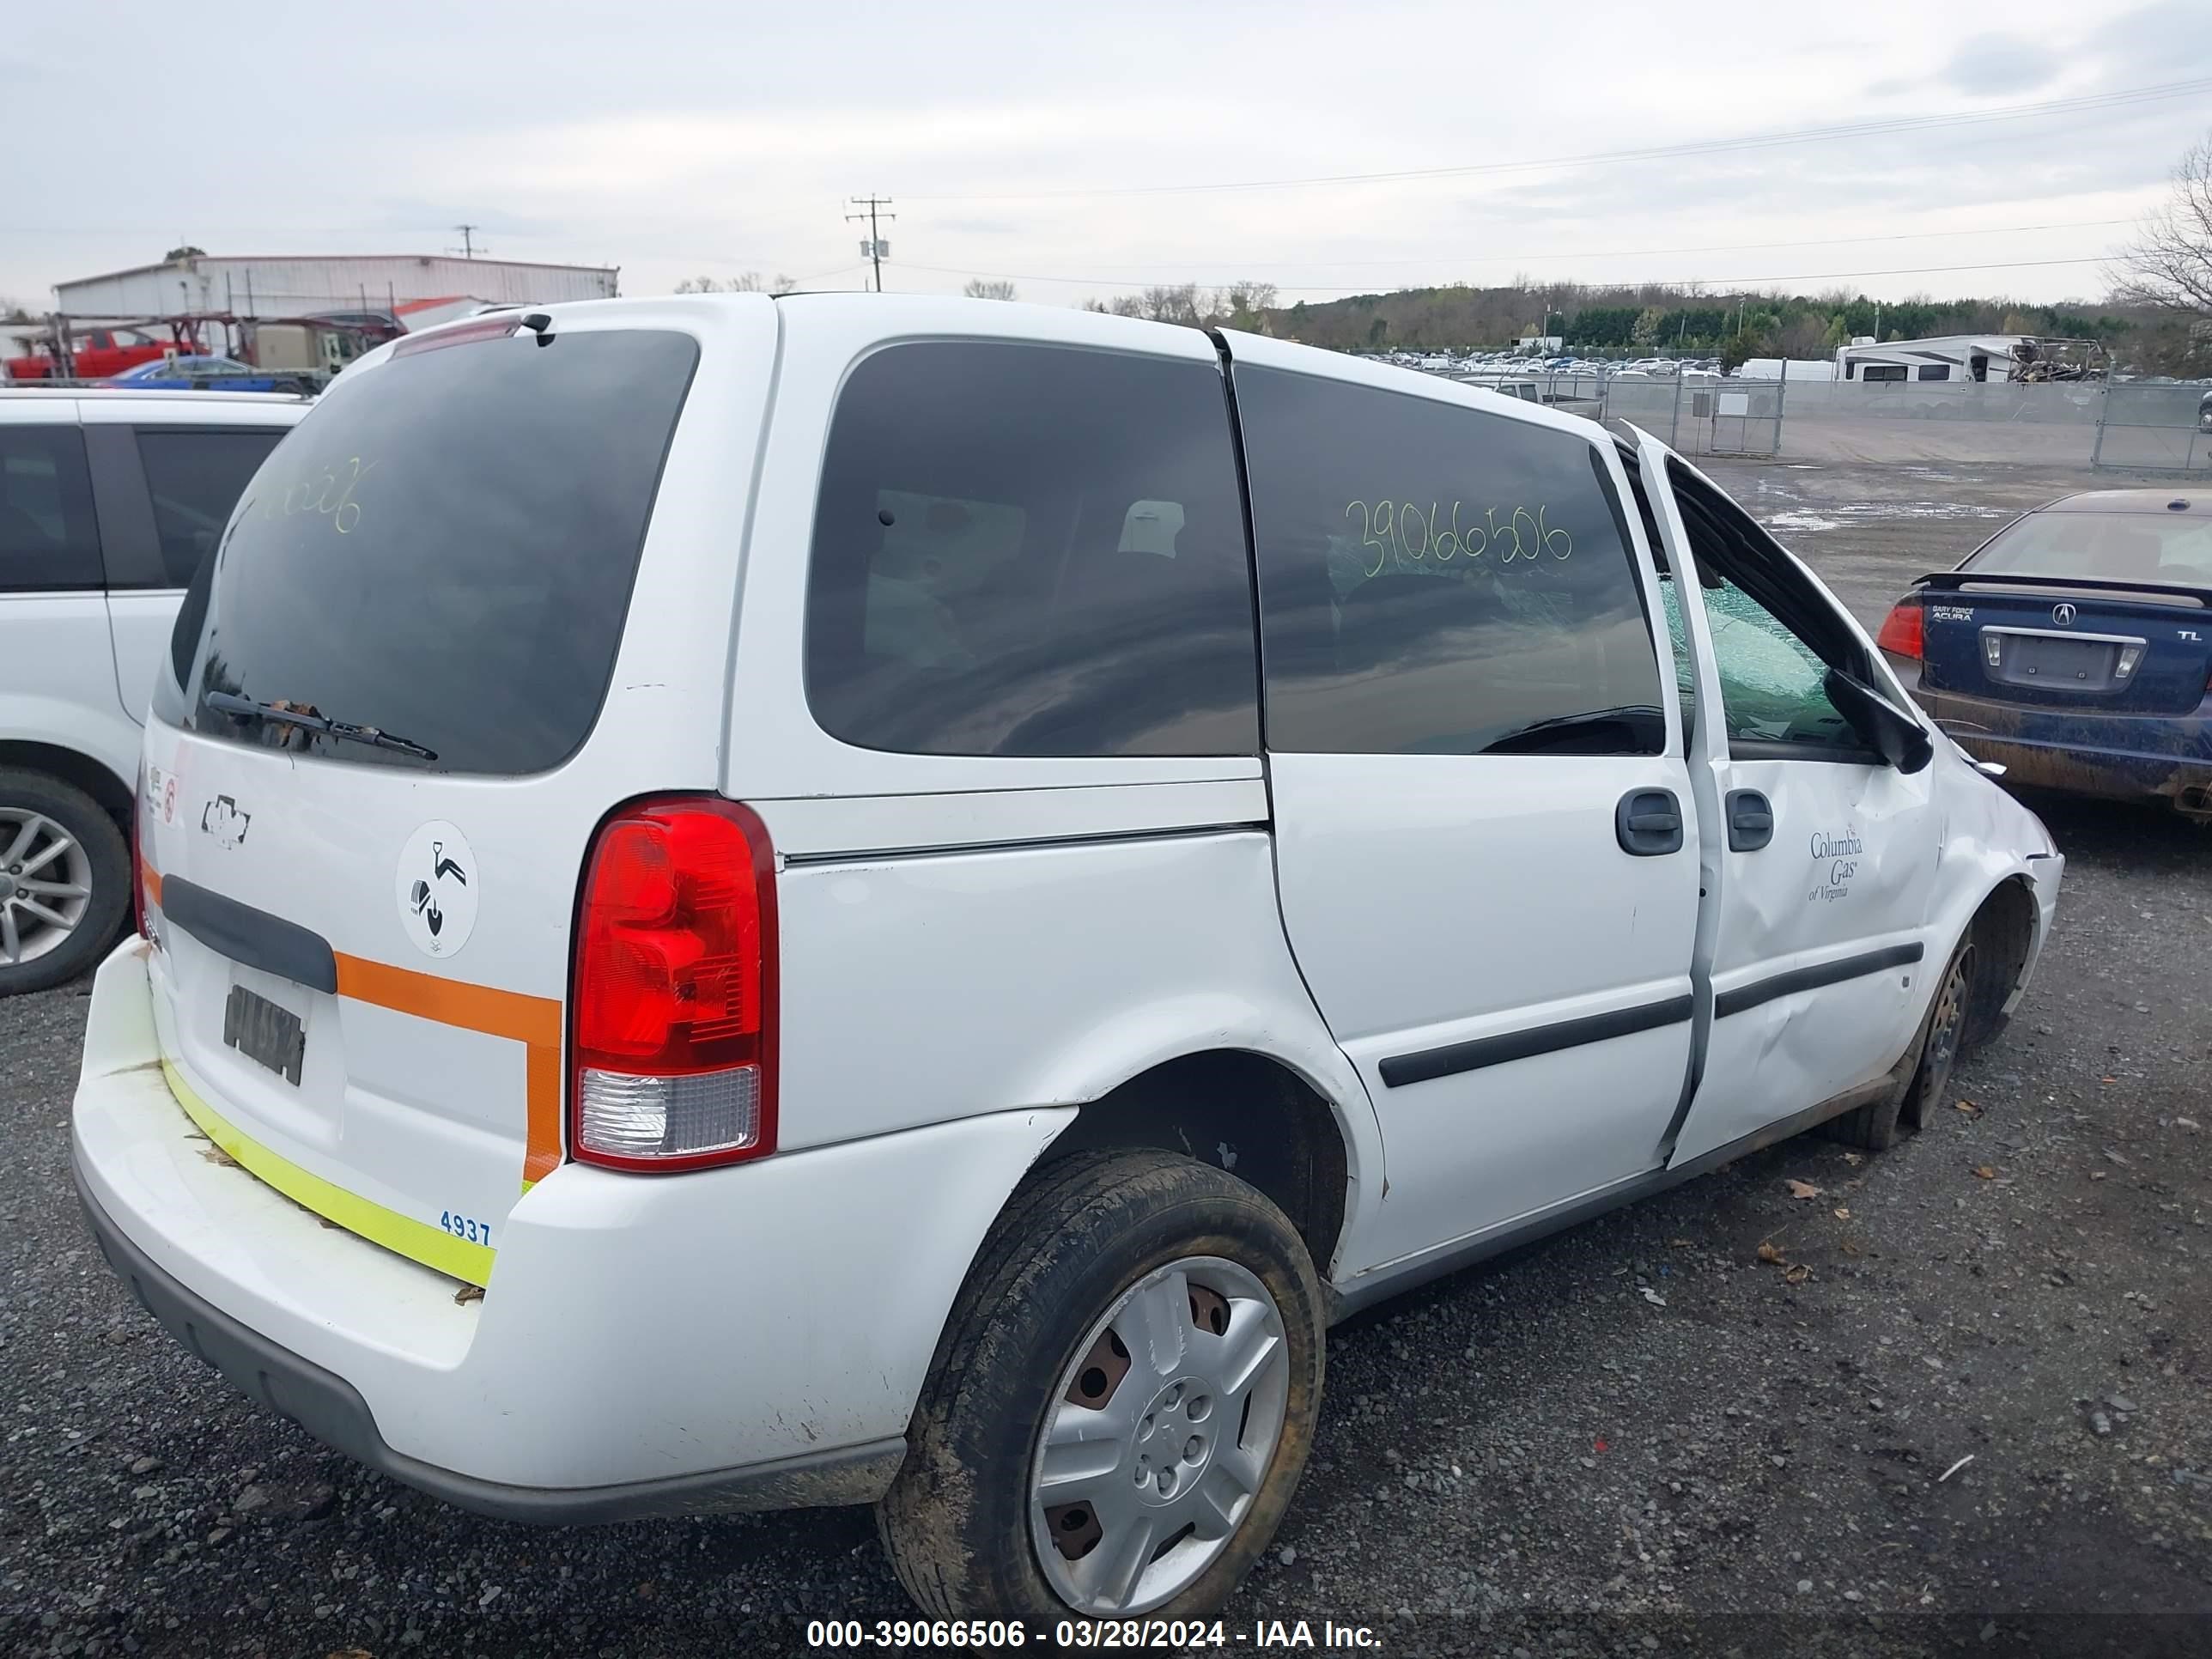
(45, 884)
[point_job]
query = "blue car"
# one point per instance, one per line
(206, 374)
(2074, 647)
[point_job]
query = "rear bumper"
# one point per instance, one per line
(753, 1337)
(2109, 757)
(2105, 775)
(333, 1410)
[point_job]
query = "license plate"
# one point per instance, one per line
(264, 1033)
(2059, 665)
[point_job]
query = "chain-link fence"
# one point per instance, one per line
(2154, 429)
(2047, 424)
(1700, 417)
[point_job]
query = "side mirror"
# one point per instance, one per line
(1896, 737)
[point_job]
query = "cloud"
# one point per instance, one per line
(1991, 64)
(2174, 39)
(739, 151)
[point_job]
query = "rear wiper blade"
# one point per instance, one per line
(250, 708)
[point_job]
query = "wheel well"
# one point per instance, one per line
(1243, 1112)
(72, 767)
(2003, 930)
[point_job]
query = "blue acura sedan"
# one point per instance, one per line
(2074, 647)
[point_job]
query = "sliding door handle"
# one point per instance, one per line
(1649, 822)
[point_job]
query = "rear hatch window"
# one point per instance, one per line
(2127, 547)
(443, 553)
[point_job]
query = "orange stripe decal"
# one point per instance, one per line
(451, 1001)
(541, 1148)
(534, 1022)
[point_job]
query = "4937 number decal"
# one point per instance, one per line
(466, 1227)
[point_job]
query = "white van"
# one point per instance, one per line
(923, 892)
(109, 500)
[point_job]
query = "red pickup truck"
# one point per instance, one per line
(97, 352)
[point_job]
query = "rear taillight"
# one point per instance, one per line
(673, 1032)
(1904, 631)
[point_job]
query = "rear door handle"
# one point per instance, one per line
(1750, 820)
(1649, 822)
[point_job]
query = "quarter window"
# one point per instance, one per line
(1440, 579)
(48, 539)
(1775, 637)
(1026, 549)
(1771, 680)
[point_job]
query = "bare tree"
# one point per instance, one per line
(783, 283)
(2169, 264)
(745, 283)
(1244, 300)
(1174, 302)
(987, 287)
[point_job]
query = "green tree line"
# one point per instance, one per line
(1619, 322)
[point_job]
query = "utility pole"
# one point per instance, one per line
(468, 247)
(876, 247)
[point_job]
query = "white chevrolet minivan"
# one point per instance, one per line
(923, 892)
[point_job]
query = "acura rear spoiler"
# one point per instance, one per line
(1954, 581)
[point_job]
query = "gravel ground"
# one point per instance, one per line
(1970, 1410)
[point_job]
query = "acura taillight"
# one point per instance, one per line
(1904, 631)
(673, 1032)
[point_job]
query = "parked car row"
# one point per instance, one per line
(1480, 363)
(1105, 896)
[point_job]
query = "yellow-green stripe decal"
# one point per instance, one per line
(401, 1234)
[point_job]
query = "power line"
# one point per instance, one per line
(468, 249)
(2117, 98)
(877, 247)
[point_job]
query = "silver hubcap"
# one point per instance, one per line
(45, 883)
(1159, 1436)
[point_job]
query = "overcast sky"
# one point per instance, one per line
(1049, 142)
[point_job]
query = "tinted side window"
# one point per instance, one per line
(194, 478)
(1436, 579)
(1028, 549)
(48, 539)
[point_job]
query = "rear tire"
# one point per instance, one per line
(1177, 1496)
(54, 837)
